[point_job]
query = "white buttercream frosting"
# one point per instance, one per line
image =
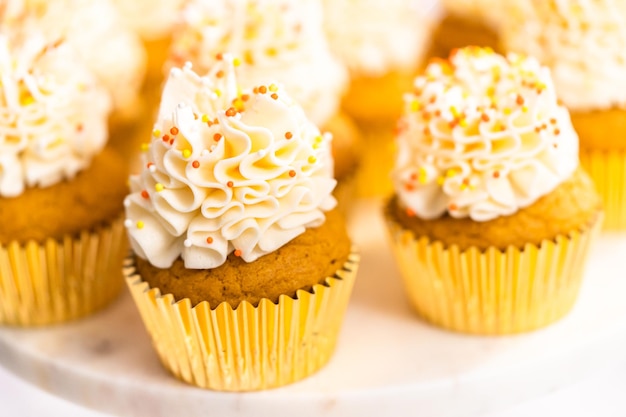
(280, 40)
(151, 19)
(95, 29)
(372, 37)
(53, 115)
(217, 180)
(482, 136)
(582, 41)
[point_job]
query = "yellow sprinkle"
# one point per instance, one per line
(205, 118)
(140, 224)
(28, 100)
(271, 51)
(416, 106)
(218, 92)
(238, 103)
(312, 159)
(441, 180)
(316, 146)
(156, 133)
(451, 173)
(525, 109)
(236, 62)
(506, 111)
(273, 88)
(144, 147)
(463, 187)
(158, 187)
(186, 153)
(423, 176)
(463, 123)
(319, 139)
(454, 111)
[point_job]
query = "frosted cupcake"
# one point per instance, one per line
(467, 22)
(492, 217)
(584, 43)
(274, 40)
(61, 191)
(233, 229)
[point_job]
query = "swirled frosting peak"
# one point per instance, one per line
(53, 115)
(582, 41)
(277, 39)
(482, 136)
(227, 171)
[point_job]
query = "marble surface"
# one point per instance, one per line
(388, 361)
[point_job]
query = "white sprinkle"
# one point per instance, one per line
(126, 202)
(128, 223)
(152, 168)
(187, 243)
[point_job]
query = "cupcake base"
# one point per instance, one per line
(58, 281)
(492, 292)
(607, 169)
(249, 347)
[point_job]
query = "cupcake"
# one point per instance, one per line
(584, 44)
(112, 52)
(467, 22)
(274, 40)
(241, 269)
(61, 191)
(382, 45)
(492, 217)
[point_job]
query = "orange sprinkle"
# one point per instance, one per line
(484, 117)
(195, 164)
(166, 138)
(553, 121)
(274, 96)
(231, 112)
(219, 74)
(149, 164)
(209, 240)
(432, 99)
(519, 100)
(409, 187)
(437, 113)
(245, 97)
(219, 57)
(229, 184)
(262, 89)
(556, 145)
(414, 176)
(145, 194)
(171, 141)
(292, 173)
(255, 90)
(410, 212)
(452, 207)
(288, 135)
(426, 131)
(537, 129)
(174, 131)
(496, 174)
(237, 252)
(557, 132)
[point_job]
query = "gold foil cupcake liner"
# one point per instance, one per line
(377, 160)
(607, 169)
(247, 348)
(492, 292)
(61, 280)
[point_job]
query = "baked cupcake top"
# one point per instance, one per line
(227, 170)
(482, 136)
(488, 12)
(279, 40)
(582, 41)
(53, 114)
(372, 37)
(95, 29)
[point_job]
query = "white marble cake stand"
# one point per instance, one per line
(388, 362)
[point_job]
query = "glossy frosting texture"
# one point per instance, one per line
(227, 170)
(53, 115)
(278, 40)
(582, 41)
(482, 136)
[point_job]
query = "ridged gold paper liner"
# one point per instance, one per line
(608, 171)
(377, 160)
(247, 348)
(61, 280)
(492, 292)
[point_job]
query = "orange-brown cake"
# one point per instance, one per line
(584, 44)
(460, 30)
(489, 196)
(60, 193)
(232, 213)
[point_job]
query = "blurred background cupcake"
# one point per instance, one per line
(584, 44)
(115, 54)
(234, 232)
(382, 44)
(467, 23)
(492, 216)
(61, 191)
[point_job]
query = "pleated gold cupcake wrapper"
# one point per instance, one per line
(61, 280)
(608, 171)
(247, 348)
(377, 161)
(492, 292)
